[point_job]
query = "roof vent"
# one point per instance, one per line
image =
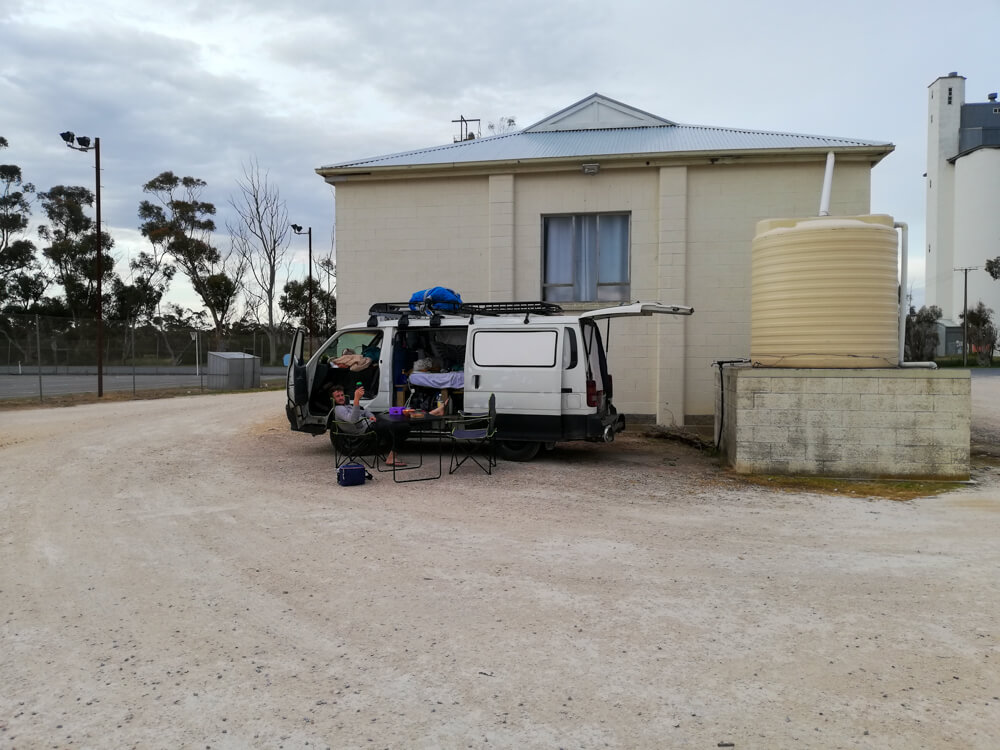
(953, 74)
(992, 97)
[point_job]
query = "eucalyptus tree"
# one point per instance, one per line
(22, 280)
(179, 223)
(294, 301)
(71, 248)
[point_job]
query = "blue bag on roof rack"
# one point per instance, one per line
(436, 299)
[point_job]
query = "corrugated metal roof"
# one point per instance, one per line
(669, 139)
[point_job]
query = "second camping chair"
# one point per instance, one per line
(472, 434)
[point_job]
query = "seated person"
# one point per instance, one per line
(357, 420)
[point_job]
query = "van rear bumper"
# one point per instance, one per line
(556, 429)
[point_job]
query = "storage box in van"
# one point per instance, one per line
(548, 370)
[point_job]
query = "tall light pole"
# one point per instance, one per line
(197, 353)
(297, 228)
(83, 144)
(965, 315)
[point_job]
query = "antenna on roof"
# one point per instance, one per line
(464, 134)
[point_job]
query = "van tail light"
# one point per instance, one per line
(591, 393)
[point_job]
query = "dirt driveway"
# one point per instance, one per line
(186, 573)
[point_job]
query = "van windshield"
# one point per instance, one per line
(350, 359)
(363, 343)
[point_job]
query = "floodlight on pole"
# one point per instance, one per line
(197, 354)
(83, 144)
(297, 228)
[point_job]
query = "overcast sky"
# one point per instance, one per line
(200, 87)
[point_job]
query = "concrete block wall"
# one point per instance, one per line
(394, 238)
(851, 423)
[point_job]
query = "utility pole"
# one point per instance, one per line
(83, 144)
(297, 228)
(965, 315)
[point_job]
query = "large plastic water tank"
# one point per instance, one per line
(824, 292)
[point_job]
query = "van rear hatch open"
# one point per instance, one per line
(635, 309)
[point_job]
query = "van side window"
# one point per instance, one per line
(515, 348)
(569, 350)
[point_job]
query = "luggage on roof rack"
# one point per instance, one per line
(398, 309)
(436, 299)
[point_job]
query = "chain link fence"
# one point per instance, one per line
(42, 355)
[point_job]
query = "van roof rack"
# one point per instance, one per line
(511, 308)
(397, 309)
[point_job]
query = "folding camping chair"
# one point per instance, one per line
(474, 433)
(351, 447)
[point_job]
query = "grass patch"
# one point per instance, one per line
(697, 439)
(889, 489)
(79, 399)
(955, 360)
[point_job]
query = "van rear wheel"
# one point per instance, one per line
(518, 450)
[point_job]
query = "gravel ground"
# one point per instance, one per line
(187, 573)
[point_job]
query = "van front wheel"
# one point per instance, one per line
(517, 450)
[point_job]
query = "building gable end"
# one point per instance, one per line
(597, 112)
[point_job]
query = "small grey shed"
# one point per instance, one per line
(233, 371)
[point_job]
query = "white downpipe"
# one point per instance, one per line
(904, 231)
(824, 199)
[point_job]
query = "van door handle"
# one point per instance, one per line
(475, 382)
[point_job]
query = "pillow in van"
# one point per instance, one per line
(353, 361)
(427, 364)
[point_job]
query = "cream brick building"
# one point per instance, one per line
(600, 201)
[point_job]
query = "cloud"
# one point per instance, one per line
(198, 87)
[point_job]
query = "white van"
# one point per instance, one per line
(547, 369)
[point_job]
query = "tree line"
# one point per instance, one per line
(244, 286)
(922, 335)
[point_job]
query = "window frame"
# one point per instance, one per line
(626, 283)
(482, 340)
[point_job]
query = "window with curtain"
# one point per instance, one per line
(586, 258)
